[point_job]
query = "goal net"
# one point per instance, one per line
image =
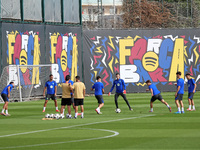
(29, 80)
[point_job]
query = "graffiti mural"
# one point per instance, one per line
(64, 55)
(38, 44)
(140, 58)
(23, 48)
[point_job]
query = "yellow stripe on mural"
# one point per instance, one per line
(95, 72)
(177, 60)
(110, 64)
(140, 84)
(196, 54)
(36, 60)
(54, 39)
(74, 59)
(11, 40)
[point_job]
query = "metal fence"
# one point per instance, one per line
(41, 11)
(183, 13)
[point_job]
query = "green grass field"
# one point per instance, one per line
(137, 129)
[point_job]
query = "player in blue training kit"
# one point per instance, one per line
(191, 90)
(5, 94)
(99, 90)
(179, 93)
(51, 87)
(120, 90)
(155, 93)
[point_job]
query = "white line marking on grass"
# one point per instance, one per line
(82, 140)
(2, 136)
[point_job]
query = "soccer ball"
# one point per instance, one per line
(118, 110)
(67, 115)
(61, 116)
(47, 116)
(52, 116)
(57, 116)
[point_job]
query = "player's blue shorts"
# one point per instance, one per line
(179, 97)
(99, 99)
(50, 96)
(5, 97)
(190, 95)
(155, 97)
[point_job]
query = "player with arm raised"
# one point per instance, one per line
(79, 95)
(191, 90)
(99, 89)
(51, 87)
(120, 90)
(5, 94)
(179, 93)
(155, 93)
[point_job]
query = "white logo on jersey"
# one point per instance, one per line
(118, 84)
(51, 86)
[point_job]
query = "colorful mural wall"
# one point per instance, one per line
(26, 44)
(142, 55)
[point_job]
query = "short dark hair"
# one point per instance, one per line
(148, 81)
(179, 73)
(187, 74)
(117, 74)
(50, 75)
(77, 77)
(98, 77)
(11, 82)
(67, 77)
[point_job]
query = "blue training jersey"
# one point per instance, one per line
(120, 86)
(180, 82)
(70, 81)
(154, 88)
(98, 86)
(191, 84)
(50, 87)
(5, 90)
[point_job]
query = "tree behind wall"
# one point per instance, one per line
(161, 14)
(146, 14)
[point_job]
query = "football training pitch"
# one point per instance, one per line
(137, 129)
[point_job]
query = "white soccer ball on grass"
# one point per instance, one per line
(47, 116)
(57, 116)
(118, 110)
(67, 115)
(52, 116)
(62, 116)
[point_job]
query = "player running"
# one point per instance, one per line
(99, 89)
(79, 95)
(120, 90)
(5, 94)
(66, 97)
(179, 93)
(191, 90)
(155, 93)
(51, 87)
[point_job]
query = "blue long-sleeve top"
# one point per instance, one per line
(120, 86)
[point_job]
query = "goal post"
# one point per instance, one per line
(29, 80)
